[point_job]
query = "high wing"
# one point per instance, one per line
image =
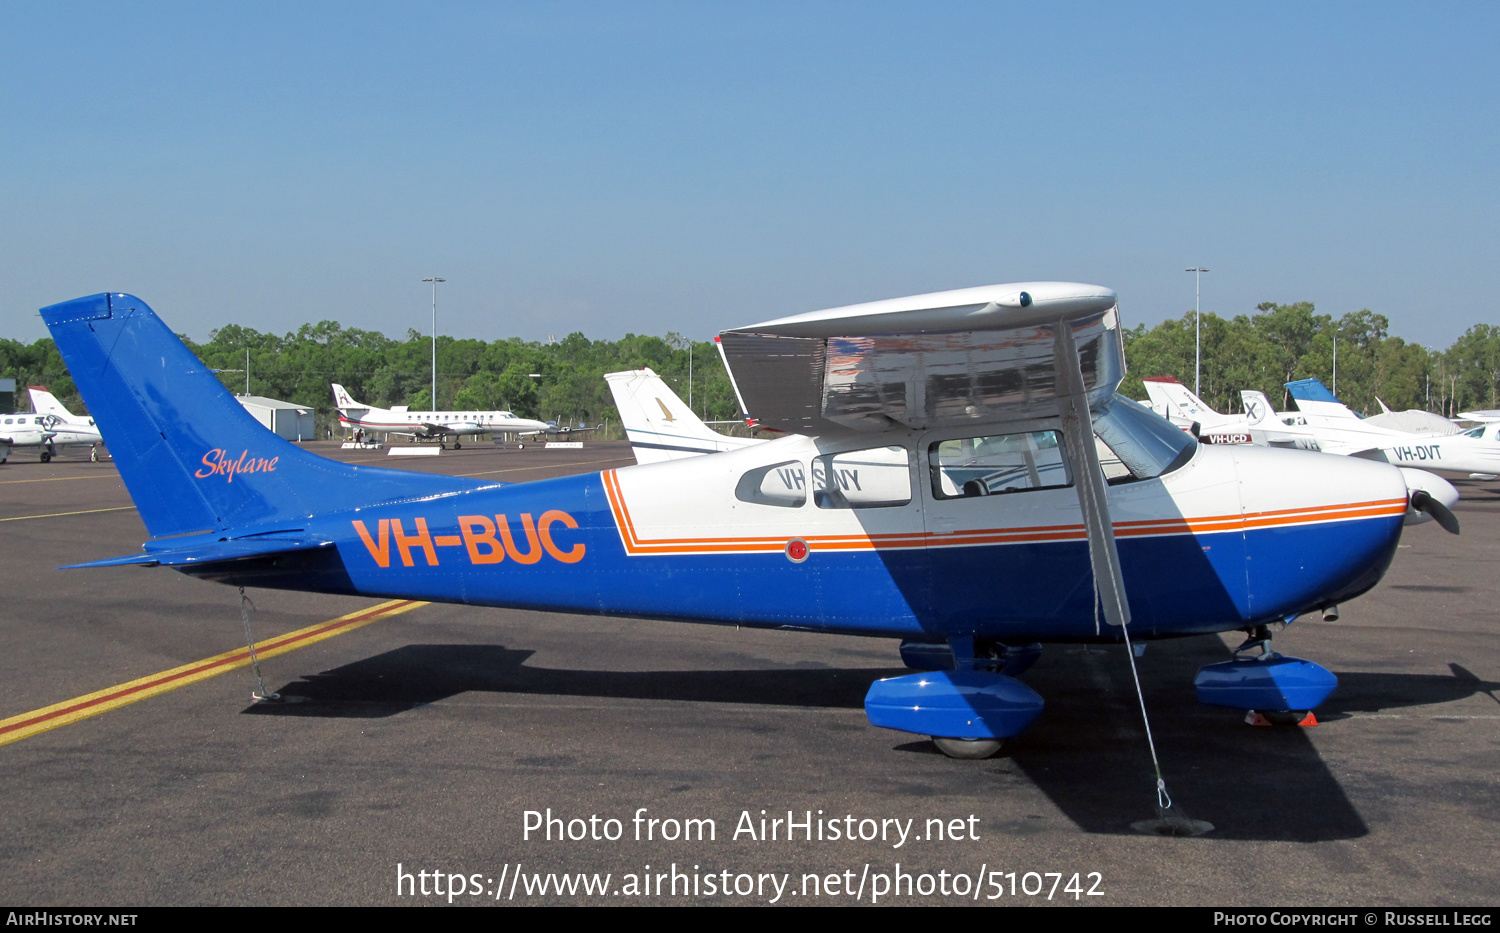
(960, 357)
(1020, 354)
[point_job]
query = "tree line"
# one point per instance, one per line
(1282, 343)
(564, 380)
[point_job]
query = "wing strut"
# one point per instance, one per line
(1104, 556)
(1078, 436)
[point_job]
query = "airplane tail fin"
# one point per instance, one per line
(1313, 398)
(658, 424)
(45, 403)
(192, 457)
(1179, 399)
(342, 400)
(1258, 410)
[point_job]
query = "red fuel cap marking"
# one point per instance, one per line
(796, 550)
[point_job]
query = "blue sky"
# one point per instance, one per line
(655, 167)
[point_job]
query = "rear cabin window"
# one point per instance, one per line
(969, 467)
(879, 477)
(783, 484)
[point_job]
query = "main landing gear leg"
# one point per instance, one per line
(966, 702)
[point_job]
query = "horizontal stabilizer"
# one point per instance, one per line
(216, 552)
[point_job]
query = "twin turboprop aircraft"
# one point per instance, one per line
(438, 425)
(939, 482)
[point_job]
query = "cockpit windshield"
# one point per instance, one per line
(1146, 443)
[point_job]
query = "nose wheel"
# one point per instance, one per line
(1271, 687)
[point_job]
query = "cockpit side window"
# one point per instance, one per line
(969, 467)
(879, 477)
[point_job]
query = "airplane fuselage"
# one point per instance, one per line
(1456, 452)
(1232, 538)
(439, 423)
(46, 432)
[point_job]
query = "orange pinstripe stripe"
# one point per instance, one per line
(634, 544)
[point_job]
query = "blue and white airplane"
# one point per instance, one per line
(939, 483)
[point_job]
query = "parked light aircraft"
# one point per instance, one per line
(47, 432)
(1183, 408)
(657, 423)
(1414, 421)
(1341, 431)
(432, 424)
(78, 430)
(1484, 416)
(555, 429)
(938, 483)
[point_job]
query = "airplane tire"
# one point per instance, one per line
(967, 749)
(46, 455)
(457, 446)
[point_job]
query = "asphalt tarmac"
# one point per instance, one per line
(412, 753)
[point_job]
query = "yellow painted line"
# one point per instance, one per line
(18, 518)
(58, 479)
(69, 711)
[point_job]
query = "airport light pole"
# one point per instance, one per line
(434, 280)
(1197, 329)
